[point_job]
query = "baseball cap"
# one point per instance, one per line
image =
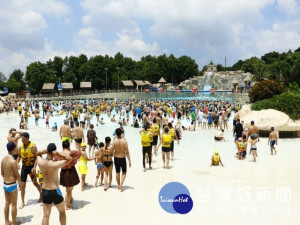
(83, 144)
(216, 152)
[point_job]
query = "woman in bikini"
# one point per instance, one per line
(108, 163)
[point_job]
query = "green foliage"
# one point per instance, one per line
(288, 102)
(77, 69)
(238, 65)
(294, 87)
(2, 84)
(2, 77)
(265, 89)
(13, 85)
(273, 65)
(18, 75)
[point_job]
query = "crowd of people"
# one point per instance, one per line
(159, 123)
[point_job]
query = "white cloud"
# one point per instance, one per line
(22, 27)
(129, 42)
(198, 24)
(289, 7)
(281, 37)
(139, 27)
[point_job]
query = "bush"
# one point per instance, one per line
(265, 89)
(288, 102)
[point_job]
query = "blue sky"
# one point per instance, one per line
(34, 30)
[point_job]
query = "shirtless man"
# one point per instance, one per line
(273, 138)
(27, 152)
(51, 192)
(10, 174)
(12, 136)
(164, 121)
(65, 132)
(120, 150)
(253, 130)
(78, 135)
(158, 119)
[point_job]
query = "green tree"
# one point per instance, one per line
(35, 75)
(13, 85)
(3, 78)
(265, 89)
(18, 75)
(238, 65)
(270, 57)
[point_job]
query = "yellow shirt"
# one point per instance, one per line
(166, 140)
(172, 132)
(145, 138)
(155, 129)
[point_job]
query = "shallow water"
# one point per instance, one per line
(265, 192)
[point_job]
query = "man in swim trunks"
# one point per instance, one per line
(51, 193)
(78, 135)
(273, 139)
(10, 174)
(253, 130)
(27, 153)
(65, 131)
(120, 150)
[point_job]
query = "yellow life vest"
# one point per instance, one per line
(20, 108)
(150, 135)
(166, 140)
(240, 146)
(76, 114)
(216, 160)
(155, 129)
(145, 138)
(172, 132)
(40, 176)
(97, 111)
(28, 158)
(60, 112)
